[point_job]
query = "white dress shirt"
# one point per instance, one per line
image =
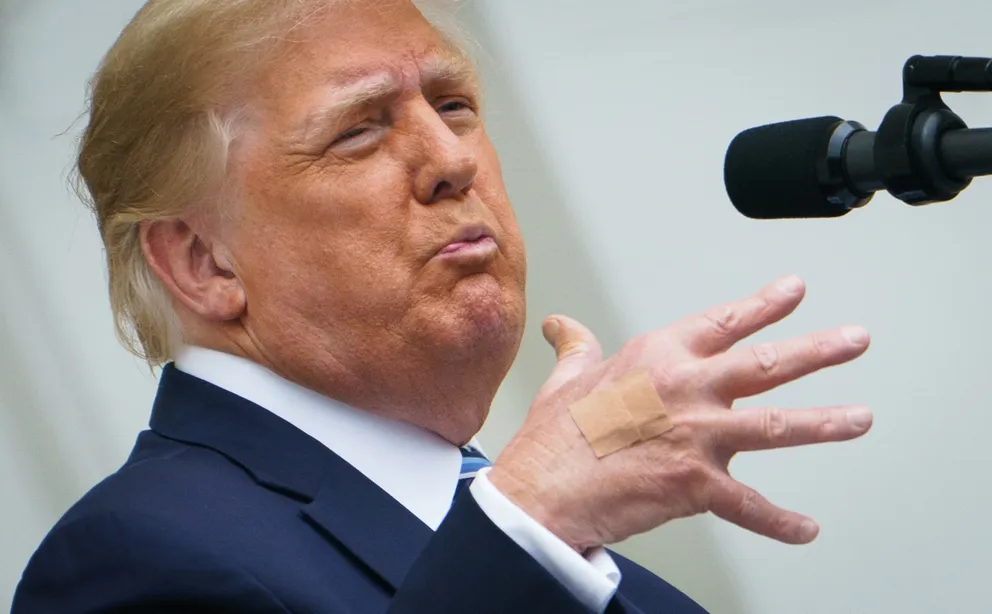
(416, 467)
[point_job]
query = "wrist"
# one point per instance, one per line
(538, 505)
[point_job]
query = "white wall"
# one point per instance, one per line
(71, 401)
(612, 119)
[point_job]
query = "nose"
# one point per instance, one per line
(447, 165)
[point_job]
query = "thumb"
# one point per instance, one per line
(577, 349)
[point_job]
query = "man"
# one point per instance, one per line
(306, 224)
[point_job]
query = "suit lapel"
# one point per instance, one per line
(352, 510)
(336, 499)
(621, 605)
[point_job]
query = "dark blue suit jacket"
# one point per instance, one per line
(224, 507)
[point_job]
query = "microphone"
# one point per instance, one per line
(825, 167)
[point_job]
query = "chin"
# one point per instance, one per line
(483, 321)
(493, 310)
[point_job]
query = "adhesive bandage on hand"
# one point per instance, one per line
(627, 412)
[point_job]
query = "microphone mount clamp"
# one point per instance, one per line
(907, 144)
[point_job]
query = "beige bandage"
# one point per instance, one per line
(621, 415)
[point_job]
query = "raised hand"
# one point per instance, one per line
(550, 471)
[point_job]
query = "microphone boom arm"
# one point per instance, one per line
(946, 73)
(968, 152)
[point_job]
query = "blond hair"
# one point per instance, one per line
(161, 122)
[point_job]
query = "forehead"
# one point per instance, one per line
(352, 41)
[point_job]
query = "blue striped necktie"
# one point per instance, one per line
(472, 462)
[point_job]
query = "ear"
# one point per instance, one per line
(197, 271)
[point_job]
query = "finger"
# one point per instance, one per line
(576, 347)
(746, 508)
(719, 328)
(749, 371)
(768, 428)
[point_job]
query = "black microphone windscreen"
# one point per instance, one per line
(771, 171)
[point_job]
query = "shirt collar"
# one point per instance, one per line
(414, 466)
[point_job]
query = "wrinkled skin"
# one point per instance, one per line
(332, 270)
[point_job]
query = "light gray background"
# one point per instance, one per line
(612, 119)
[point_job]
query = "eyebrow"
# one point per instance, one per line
(364, 91)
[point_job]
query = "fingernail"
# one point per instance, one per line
(550, 330)
(808, 531)
(856, 335)
(791, 285)
(860, 418)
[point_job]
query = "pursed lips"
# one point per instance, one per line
(475, 237)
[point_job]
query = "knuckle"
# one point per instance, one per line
(637, 344)
(723, 320)
(698, 475)
(780, 525)
(827, 427)
(749, 505)
(684, 374)
(690, 471)
(704, 494)
(639, 347)
(767, 357)
(763, 305)
(680, 377)
(776, 424)
(666, 377)
(820, 345)
(572, 347)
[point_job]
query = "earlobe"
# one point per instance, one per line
(198, 274)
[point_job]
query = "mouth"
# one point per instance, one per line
(476, 239)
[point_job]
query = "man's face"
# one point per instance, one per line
(376, 235)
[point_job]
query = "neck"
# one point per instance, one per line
(451, 399)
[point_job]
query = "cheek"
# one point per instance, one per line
(333, 284)
(316, 251)
(490, 185)
(492, 191)
(325, 214)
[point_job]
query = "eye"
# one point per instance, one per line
(354, 133)
(454, 106)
